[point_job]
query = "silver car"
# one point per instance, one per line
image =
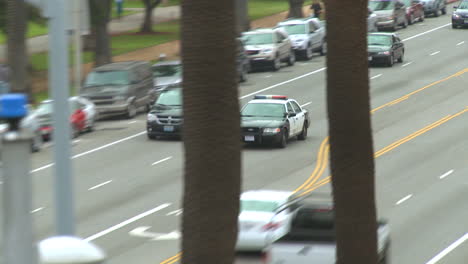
(268, 47)
(167, 74)
(390, 14)
(31, 124)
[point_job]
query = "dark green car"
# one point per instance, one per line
(385, 48)
(273, 119)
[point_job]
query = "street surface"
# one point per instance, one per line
(129, 190)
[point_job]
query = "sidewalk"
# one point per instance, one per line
(127, 23)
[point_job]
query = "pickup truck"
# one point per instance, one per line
(311, 238)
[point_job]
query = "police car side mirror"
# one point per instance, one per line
(292, 114)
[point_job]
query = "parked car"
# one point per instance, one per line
(311, 237)
(414, 11)
(31, 124)
(259, 221)
(120, 88)
(167, 74)
(268, 46)
(307, 36)
(385, 48)
(165, 117)
(390, 14)
(460, 15)
(371, 21)
(82, 116)
(434, 7)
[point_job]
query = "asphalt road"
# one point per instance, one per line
(128, 189)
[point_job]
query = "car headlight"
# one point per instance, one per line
(271, 130)
(151, 117)
(456, 16)
(266, 51)
(384, 53)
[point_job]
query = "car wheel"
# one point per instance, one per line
(276, 63)
(454, 26)
(444, 11)
(131, 110)
(75, 132)
(436, 13)
(411, 19)
(151, 137)
(291, 58)
(324, 49)
(400, 60)
(244, 73)
(284, 139)
(422, 17)
(391, 60)
(90, 128)
(303, 134)
(37, 142)
(405, 23)
(308, 52)
(394, 27)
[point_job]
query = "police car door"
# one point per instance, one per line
(300, 116)
(292, 120)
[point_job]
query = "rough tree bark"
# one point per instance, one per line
(100, 38)
(351, 146)
(295, 9)
(147, 25)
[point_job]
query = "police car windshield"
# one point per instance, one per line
(266, 110)
(171, 97)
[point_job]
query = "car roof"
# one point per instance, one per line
(266, 195)
(383, 34)
(269, 101)
(293, 21)
(263, 30)
(170, 62)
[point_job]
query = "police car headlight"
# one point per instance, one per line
(271, 130)
(151, 117)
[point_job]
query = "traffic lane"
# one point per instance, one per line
(454, 253)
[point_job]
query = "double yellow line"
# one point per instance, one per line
(312, 183)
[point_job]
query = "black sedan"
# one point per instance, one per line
(273, 119)
(385, 48)
(460, 16)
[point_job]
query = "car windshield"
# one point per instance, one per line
(379, 40)
(102, 78)
(295, 29)
(45, 108)
(258, 206)
(463, 5)
(258, 39)
(171, 97)
(167, 70)
(381, 5)
(266, 109)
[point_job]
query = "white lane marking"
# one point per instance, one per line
(242, 97)
(446, 174)
(1, 182)
(163, 160)
(126, 222)
(426, 32)
(91, 151)
(99, 185)
(176, 212)
(142, 231)
(132, 122)
(376, 76)
(76, 141)
(461, 43)
(406, 64)
(37, 210)
(434, 53)
(444, 252)
(306, 104)
(282, 83)
(402, 200)
(268, 76)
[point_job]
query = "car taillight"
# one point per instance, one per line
(265, 257)
(271, 226)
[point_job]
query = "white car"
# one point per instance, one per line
(259, 221)
(371, 21)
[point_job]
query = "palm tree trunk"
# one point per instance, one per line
(295, 8)
(16, 47)
(211, 132)
(100, 12)
(351, 146)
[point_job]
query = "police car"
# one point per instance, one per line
(273, 119)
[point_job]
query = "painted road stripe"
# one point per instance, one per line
(163, 160)
(435, 53)
(127, 222)
(37, 210)
(446, 174)
(306, 104)
(406, 64)
(404, 199)
(376, 76)
(461, 43)
(99, 185)
(426, 32)
(444, 252)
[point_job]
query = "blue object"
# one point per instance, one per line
(13, 106)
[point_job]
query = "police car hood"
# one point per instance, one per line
(262, 122)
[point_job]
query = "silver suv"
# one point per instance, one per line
(268, 46)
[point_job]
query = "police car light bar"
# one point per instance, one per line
(278, 97)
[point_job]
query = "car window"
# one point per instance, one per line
(295, 29)
(379, 40)
(463, 5)
(290, 108)
(103, 78)
(296, 107)
(171, 97)
(266, 110)
(258, 39)
(44, 108)
(279, 37)
(377, 5)
(167, 70)
(258, 206)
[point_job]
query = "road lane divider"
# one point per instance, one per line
(160, 161)
(404, 199)
(172, 259)
(446, 174)
(449, 249)
(460, 43)
(99, 185)
(321, 162)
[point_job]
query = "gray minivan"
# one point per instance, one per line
(390, 13)
(120, 88)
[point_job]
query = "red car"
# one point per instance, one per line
(414, 11)
(77, 119)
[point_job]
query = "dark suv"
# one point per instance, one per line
(460, 15)
(165, 116)
(434, 7)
